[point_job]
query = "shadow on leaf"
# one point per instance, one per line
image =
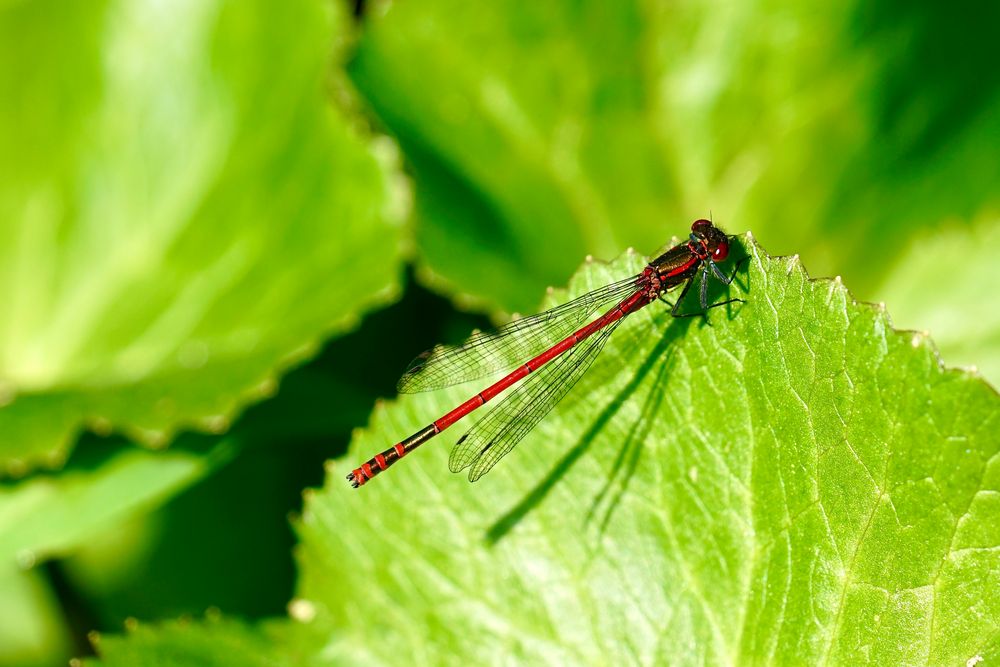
(628, 457)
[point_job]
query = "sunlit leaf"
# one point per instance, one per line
(213, 642)
(183, 214)
(539, 132)
(32, 634)
(793, 482)
(52, 515)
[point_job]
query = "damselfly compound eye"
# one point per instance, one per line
(721, 251)
(700, 225)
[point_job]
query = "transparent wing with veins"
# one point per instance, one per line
(496, 434)
(513, 343)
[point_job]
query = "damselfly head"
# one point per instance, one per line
(714, 239)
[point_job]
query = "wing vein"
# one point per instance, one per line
(509, 345)
(494, 436)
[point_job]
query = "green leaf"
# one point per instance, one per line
(32, 631)
(182, 214)
(52, 515)
(539, 132)
(942, 285)
(215, 641)
(791, 482)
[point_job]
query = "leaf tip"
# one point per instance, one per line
(100, 425)
(55, 458)
(302, 610)
(152, 438)
(16, 467)
(399, 202)
(26, 559)
(215, 423)
(266, 388)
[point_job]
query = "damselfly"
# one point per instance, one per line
(552, 348)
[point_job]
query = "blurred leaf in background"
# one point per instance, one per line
(944, 284)
(182, 215)
(52, 515)
(196, 555)
(32, 630)
(540, 132)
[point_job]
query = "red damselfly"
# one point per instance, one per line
(553, 348)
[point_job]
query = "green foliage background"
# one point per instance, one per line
(225, 227)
